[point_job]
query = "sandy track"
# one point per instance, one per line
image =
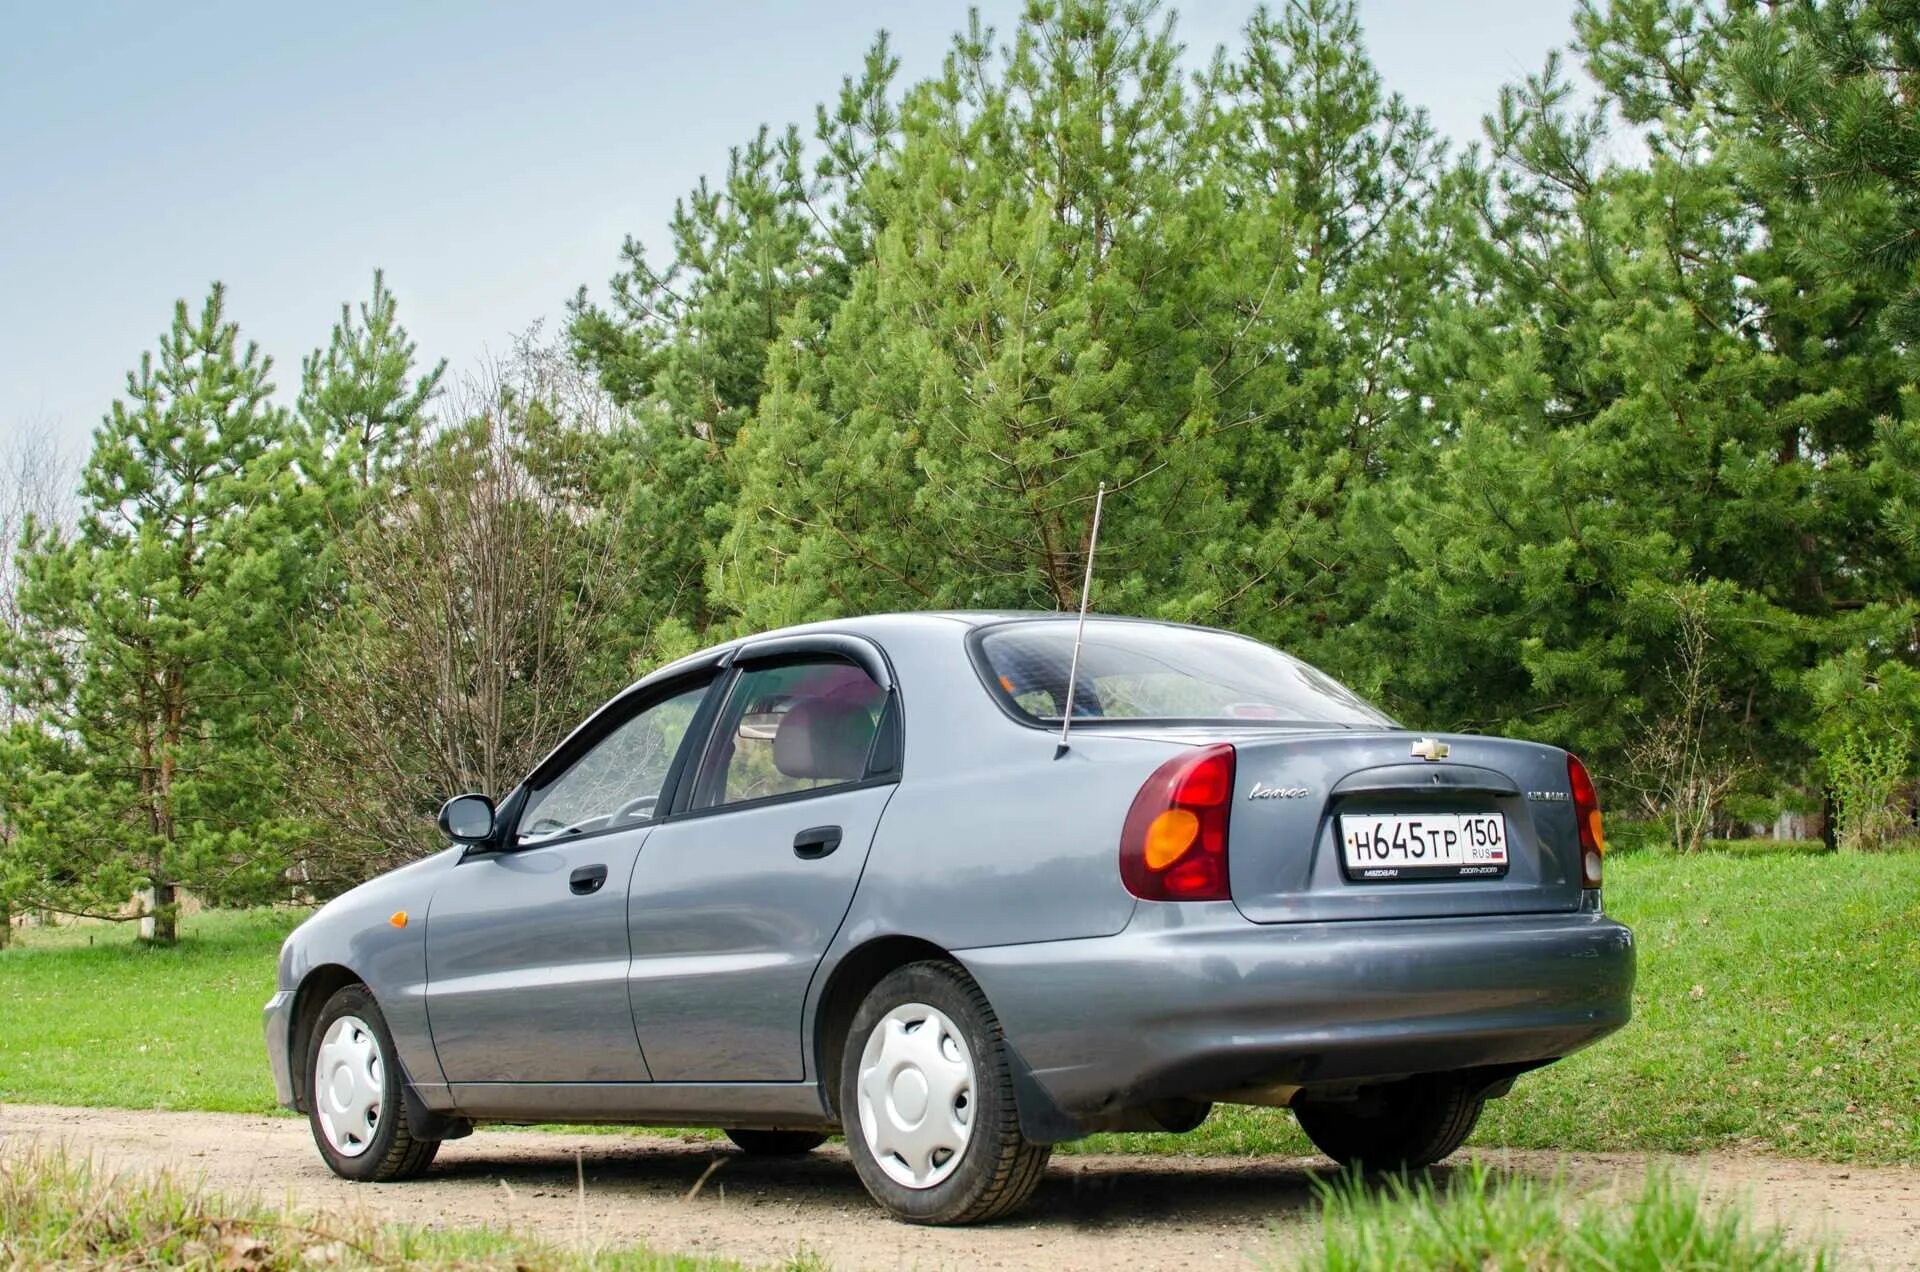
(1092, 1212)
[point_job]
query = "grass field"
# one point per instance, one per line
(1778, 1007)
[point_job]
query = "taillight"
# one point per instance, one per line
(1586, 812)
(1174, 844)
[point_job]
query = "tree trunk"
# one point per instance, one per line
(161, 924)
(6, 924)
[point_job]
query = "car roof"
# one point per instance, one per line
(875, 627)
(879, 626)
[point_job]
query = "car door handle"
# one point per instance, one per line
(587, 880)
(810, 845)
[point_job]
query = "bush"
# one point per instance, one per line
(1485, 1220)
(1867, 774)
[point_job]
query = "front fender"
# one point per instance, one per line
(362, 932)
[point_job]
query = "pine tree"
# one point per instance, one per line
(683, 344)
(1663, 406)
(1833, 92)
(362, 405)
(1024, 330)
(1350, 228)
(154, 637)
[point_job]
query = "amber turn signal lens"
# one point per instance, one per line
(399, 918)
(1173, 845)
(1169, 835)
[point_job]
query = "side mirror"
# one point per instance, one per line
(467, 819)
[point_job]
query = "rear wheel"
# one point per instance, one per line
(776, 1143)
(926, 1096)
(353, 1094)
(1404, 1126)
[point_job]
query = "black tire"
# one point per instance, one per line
(776, 1143)
(1405, 1126)
(391, 1152)
(998, 1168)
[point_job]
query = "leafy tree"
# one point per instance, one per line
(32, 484)
(151, 639)
(477, 632)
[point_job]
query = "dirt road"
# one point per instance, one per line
(1093, 1212)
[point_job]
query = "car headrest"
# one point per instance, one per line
(824, 739)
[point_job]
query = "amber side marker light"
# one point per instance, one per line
(1173, 846)
(399, 918)
(1586, 812)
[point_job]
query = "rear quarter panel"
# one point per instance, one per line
(990, 839)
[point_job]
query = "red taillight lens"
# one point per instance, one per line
(1586, 812)
(1174, 844)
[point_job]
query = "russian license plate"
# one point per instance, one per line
(1423, 846)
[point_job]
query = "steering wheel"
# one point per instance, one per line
(641, 807)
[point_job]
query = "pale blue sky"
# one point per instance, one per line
(488, 156)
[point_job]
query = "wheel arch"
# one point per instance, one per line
(851, 980)
(854, 977)
(316, 987)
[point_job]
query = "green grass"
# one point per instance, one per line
(57, 1211)
(1778, 1007)
(1484, 1222)
(94, 1016)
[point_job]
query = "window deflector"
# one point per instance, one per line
(609, 720)
(710, 767)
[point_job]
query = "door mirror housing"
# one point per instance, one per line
(467, 819)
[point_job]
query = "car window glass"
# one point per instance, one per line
(795, 726)
(618, 782)
(1150, 671)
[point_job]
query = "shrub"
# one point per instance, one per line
(1867, 774)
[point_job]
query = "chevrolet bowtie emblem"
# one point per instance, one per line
(1429, 749)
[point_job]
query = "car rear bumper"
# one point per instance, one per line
(1194, 1001)
(277, 1017)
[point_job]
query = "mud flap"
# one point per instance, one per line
(1041, 1120)
(424, 1123)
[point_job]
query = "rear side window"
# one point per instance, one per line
(795, 726)
(1153, 671)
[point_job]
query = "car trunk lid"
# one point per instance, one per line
(1293, 790)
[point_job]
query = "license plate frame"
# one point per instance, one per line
(1431, 846)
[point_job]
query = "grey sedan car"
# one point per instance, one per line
(846, 877)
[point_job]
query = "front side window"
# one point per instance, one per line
(793, 726)
(1154, 671)
(619, 781)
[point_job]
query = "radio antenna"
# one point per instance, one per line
(1086, 592)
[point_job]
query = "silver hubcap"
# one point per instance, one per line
(348, 1083)
(916, 1095)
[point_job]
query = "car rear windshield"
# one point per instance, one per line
(1156, 671)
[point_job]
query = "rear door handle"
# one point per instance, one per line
(587, 880)
(811, 845)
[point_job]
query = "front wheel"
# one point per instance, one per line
(1405, 1126)
(353, 1094)
(926, 1095)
